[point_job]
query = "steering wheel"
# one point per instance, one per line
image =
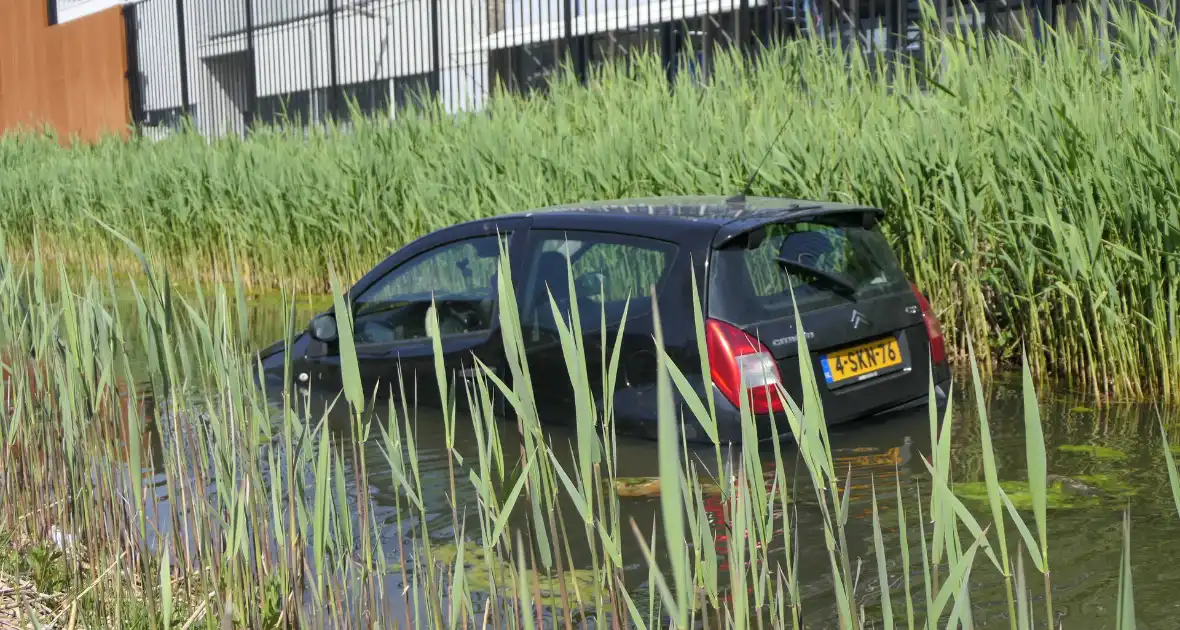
(455, 320)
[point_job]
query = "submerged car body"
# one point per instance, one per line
(872, 337)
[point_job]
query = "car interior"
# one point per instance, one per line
(551, 275)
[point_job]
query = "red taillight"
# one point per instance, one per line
(733, 356)
(933, 328)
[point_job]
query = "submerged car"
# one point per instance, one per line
(872, 336)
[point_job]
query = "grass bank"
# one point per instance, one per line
(42, 586)
(257, 512)
(1032, 192)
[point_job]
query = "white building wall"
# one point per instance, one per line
(68, 10)
(296, 57)
(465, 81)
(379, 40)
(521, 13)
(386, 41)
(613, 14)
(159, 56)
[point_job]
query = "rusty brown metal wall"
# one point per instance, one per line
(71, 77)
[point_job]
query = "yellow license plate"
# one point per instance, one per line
(863, 361)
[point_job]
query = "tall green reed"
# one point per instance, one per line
(264, 530)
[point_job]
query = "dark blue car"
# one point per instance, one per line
(871, 333)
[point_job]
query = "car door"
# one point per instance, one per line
(455, 275)
(613, 273)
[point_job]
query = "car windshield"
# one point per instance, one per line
(827, 262)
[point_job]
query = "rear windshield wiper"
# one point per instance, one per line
(831, 279)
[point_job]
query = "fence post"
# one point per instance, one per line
(854, 27)
(567, 37)
(182, 42)
(1038, 20)
(892, 30)
(333, 73)
(436, 50)
(704, 69)
(742, 27)
(251, 72)
(134, 88)
(668, 51)
(989, 18)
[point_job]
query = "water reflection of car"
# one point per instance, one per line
(872, 336)
(870, 470)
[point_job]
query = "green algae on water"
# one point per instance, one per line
(1073, 492)
(478, 575)
(1097, 452)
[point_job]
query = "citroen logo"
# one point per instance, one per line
(857, 319)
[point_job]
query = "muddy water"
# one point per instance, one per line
(1116, 451)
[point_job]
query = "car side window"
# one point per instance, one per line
(460, 279)
(610, 271)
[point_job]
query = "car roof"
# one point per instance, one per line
(725, 216)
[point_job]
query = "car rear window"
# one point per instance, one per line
(749, 285)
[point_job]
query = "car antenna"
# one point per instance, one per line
(741, 196)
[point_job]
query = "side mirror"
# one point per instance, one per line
(323, 328)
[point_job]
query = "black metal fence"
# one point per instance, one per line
(231, 64)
